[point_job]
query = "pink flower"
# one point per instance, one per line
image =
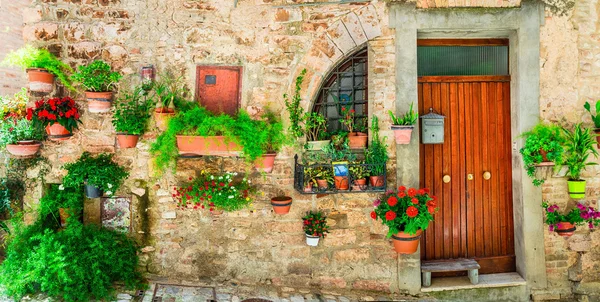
(376, 203)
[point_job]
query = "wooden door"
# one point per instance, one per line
(218, 88)
(475, 218)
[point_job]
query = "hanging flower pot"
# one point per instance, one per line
(93, 192)
(281, 204)
(127, 140)
(359, 185)
(315, 226)
(162, 116)
(357, 140)
(317, 145)
(40, 80)
(312, 240)
(565, 229)
(377, 181)
(576, 188)
(57, 132)
(265, 163)
(99, 102)
(207, 145)
(402, 134)
(405, 243)
(24, 148)
(341, 182)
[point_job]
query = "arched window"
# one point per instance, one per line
(345, 87)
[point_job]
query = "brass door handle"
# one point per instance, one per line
(470, 176)
(487, 175)
(446, 179)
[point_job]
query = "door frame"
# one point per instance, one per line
(522, 27)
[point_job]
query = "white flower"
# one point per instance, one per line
(249, 181)
(109, 186)
(212, 177)
(109, 193)
(220, 177)
(61, 187)
(230, 196)
(235, 173)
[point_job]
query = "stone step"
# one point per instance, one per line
(455, 265)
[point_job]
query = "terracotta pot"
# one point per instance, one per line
(405, 243)
(565, 229)
(322, 184)
(265, 163)
(544, 155)
(162, 116)
(312, 240)
(92, 191)
(377, 181)
(341, 182)
(357, 140)
(28, 148)
(359, 184)
(576, 188)
(57, 132)
(597, 131)
(127, 141)
(99, 102)
(40, 80)
(317, 145)
(64, 215)
(402, 134)
(308, 188)
(281, 204)
(207, 145)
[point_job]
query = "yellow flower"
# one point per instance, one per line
(247, 198)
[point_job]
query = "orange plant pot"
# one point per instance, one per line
(405, 243)
(281, 204)
(359, 184)
(40, 80)
(99, 102)
(127, 141)
(341, 182)
(322, 184)
(377, 181)
(207, 145)
(565, 229)
(162, 116)
(265, 163)
(57, 132)
(357, 140)
(29, 148)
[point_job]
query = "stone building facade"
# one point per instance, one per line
(273, 41)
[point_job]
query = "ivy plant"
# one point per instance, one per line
(132, 112)
(99, 171)
(376, 155)
(295, 110)
(97, 77)
(546, 137)
(579, 145)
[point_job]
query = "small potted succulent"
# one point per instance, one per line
(356, 140)
(595, 119)
(376, 157)
(100, 174)
(131, 116)
(99, 82)
(359, 174)
(276, 138)
(565, 225)
(579, 145)
(315, 227)
(41, 67)
(18, 134)
(403, 126)
(59, 116)
(407, 214)
(543, 144)
(170, 92)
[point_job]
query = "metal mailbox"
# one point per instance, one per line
(432, 128)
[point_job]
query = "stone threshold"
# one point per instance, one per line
(485, 281)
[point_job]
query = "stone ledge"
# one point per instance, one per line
(485, 281)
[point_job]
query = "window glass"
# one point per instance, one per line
(462, 60)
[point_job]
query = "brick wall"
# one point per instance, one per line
(11, 27)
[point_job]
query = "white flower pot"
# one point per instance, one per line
(312, 240)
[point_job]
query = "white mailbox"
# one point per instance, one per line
(432, 128)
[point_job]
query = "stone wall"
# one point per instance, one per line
(11, 27)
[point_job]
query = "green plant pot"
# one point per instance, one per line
(576, 189)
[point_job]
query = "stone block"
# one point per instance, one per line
(339, 237)
(45, 31)
(341, 37)
(352, 255)
(32, 14)
(372, 285)
(332, 282)
(169, 215)
(355, 29)
(580, 242)
(84, 50)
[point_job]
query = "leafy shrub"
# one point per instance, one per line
(171, 91)
(14, 106)
(15, 130)
(30, 57)
(56, 110)
(100, 171)
(546, 137)
(132, 112)
(276, 136)
(579, 145)
(406, 210)
(97, 77)
(12, 192)
(315, 224)
(376, 155)
(222, 192)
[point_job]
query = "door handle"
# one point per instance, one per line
(446, 179)
(487, 175)
(470, 176)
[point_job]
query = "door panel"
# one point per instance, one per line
(475, 216)
(218, 88)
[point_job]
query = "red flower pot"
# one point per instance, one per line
(281, 204)
(162, 116)
(359, 184)
(357, 140)
(565, 229)
(265, 163)
(377, 181)
(99, 102)
(127, 141)
(341, 182)
(24, 148)
(207, 145)
(40, 80)
(405, 243)
(322, 184)
(57, 132)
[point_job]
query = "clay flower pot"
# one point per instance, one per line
(99, 102)
(312, 240)
(207, 145)
(357, 140)
(265, 163)
(127, 140)
(308, 188)
(281, 204)
(322, 184)
(576, 188)
(57, 132)
(359, 184)
(24, 148)
(92, 191)
(341, 182)
(405, 243)
(40, 80)
(377, 181)
(162, 116)
(317, 145)
(565, 229)
(402, 134)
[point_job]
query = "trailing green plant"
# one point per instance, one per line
(358, 170)
(579, 145)
(376, 155)
(405, 210)
(171, 91)
(338, 149)
(132, 112)
(410, 118)
(75, 263)
(579, 215)
(315, 224)
(546, 137)
(12, 192)
(295, 110)
(99, 171)
(31, 57)
(276, 137)
(97, 76)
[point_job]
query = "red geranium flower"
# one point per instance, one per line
(390, 215)
(401, 194)
(412, 192)
(373, 215)
(421, 192)
(414, 201)
(412, 211)
(426, 190)
(392, 201)
(431, 203)
(431, 210)
(401, 188)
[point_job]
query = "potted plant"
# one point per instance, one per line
(170, 92)
(310, 179)
(18, 134)
(228, 192)
(565, 225)
(407, 214)
(131, 116)
(376, 157)
(323, 176)
(595, 119)
(315, 126)
(100, 174)
(41, 67)
(59, 116)
(295, 110)
(339, 154)
(356, 140)
(315, 227)
(544, 143)
(359, 173)
(99, 82)
(403, 126)
(579, 145)
(275, 139)
(281, 204)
